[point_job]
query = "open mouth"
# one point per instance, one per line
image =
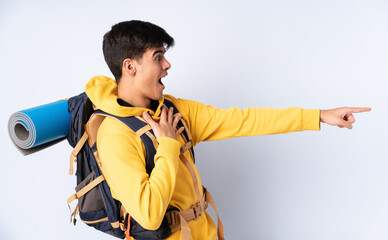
(160, 81)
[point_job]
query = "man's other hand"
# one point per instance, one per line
(167, 124)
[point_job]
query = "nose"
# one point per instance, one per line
(167, 65)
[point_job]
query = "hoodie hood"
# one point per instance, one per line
(102, 91)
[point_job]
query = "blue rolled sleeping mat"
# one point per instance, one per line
(37, 128)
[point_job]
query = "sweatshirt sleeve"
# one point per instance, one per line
(208, 123)
(145, 197)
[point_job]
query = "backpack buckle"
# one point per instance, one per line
(197, 210)
(186, 147)
(172, 217)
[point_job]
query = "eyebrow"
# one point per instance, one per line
(159, 51)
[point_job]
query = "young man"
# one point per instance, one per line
(134, 52)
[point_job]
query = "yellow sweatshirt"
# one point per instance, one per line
(122, 153)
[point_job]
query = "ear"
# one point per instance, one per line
(129, 67)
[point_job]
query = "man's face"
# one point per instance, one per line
(149, 72)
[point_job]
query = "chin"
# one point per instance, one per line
(157, 98)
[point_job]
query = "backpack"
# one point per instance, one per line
(96, 206)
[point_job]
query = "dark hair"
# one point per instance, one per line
(131, 39)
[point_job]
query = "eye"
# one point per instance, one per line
(158, 58)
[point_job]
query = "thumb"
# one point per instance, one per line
(345, 124)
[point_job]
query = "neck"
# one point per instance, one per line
(125, 92)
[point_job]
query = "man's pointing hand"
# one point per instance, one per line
(341, 117)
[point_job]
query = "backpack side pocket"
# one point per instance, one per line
(91, 205)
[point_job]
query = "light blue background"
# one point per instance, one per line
(323, 185)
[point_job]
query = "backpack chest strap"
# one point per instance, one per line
(190, 214)
(180, 219)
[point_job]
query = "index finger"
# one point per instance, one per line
(358, 110)
(148, 119)
(163, 114)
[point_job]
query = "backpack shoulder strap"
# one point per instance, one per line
(186, 132)
(144, 131)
